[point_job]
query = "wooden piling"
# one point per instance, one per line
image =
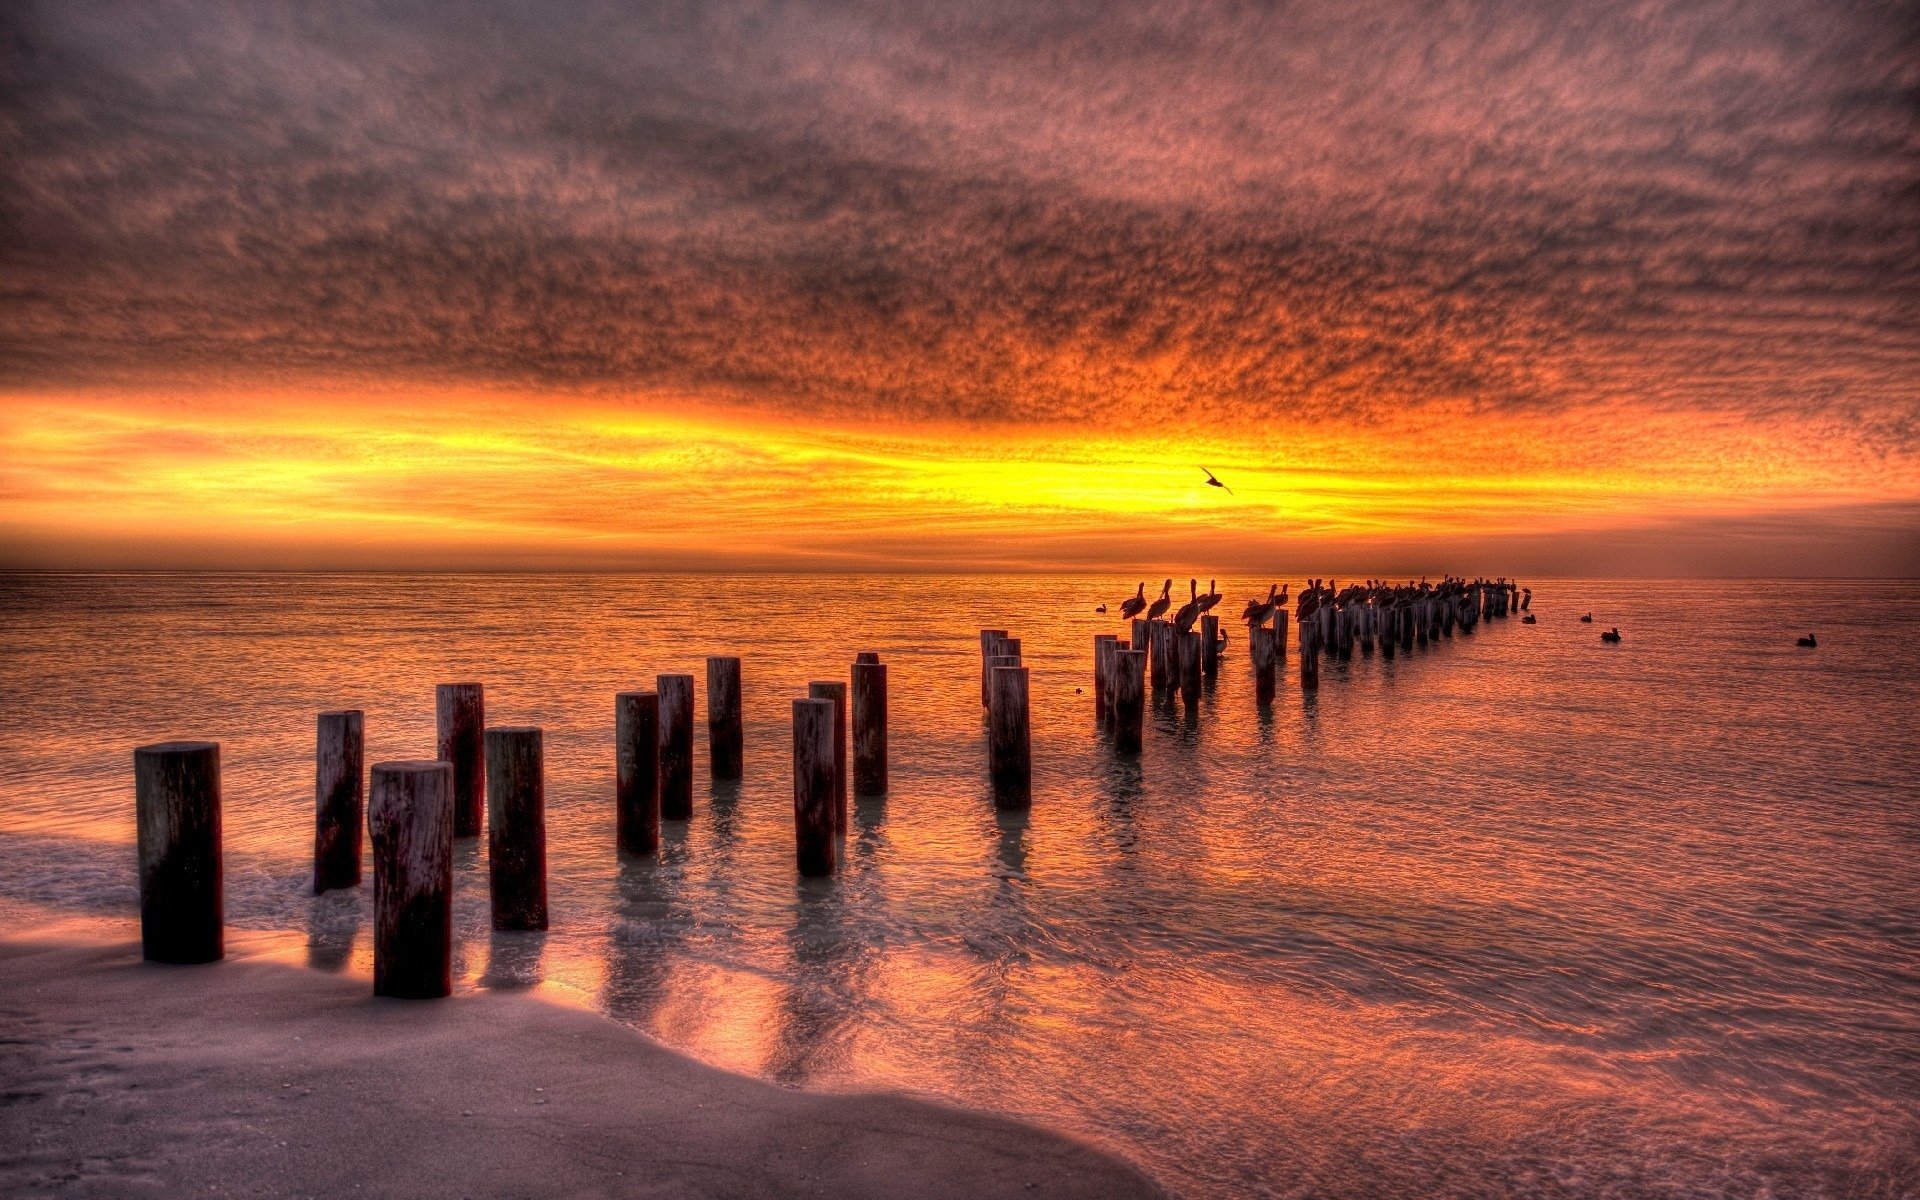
(1103, 648)
(176, 787)
(410, 817)
(1279, 636)
(1187, 654)
(725, 741)
(1210, 645)
(1140, 634)
(814, 847)
(636, 752)
(1260, 638)
(462, 712)
(836, 691)
(339, 799)
(989, 646)
(1160, 665)
(1129, 681)
(676, 746)
(517, 827)
(869, 702)
(1009, 744)
(1309, 655)
(867, 658)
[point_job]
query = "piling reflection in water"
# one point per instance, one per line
(1503, 910)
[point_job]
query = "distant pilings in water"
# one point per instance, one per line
(410, 817)
(339, 798)
(182, 887)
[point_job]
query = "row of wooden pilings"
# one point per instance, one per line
(496, 777)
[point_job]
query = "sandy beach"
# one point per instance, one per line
(251, 1077)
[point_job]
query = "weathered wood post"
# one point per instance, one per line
(868, 658)
(339, 799)
(1261, 638)
(869, 725)
(517, 827)
(836, 692)
(1129, 697)
(1309, 655)
(1389, 631)
(1160, 665)
(676, 746)
(1210, 645)
(1187, 656)
(462, 712)
(1103, 647)
(725, 741)
(636, 753)
(1279, 636)
(176, 792)
(410, 817)
(1009, 746)
(814, 847)
(1140, 634)
(989, 646)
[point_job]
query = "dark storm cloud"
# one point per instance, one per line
(1010, 210)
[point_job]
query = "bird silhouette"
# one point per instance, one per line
(1163, 603)
(1211, 598)
(1612, 635)
(1190, 611)
(1101, 609)
(1257, 611)
(1808, 640)
(1212, 482)
(1131, 607)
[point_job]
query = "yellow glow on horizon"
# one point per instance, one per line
(554, 476)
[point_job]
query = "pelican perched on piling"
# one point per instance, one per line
(1257, 611)
(1161, 605)
(1211, 597)
(1131, 606)
(1190, 611)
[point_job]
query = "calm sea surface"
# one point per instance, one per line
(1521, 914)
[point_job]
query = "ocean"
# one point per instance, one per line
(1516, 914)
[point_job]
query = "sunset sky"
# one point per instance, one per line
(1594, 287)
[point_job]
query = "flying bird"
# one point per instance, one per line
(1212, 482)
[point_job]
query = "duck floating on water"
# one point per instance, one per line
(1529, 619)
(1611, 635)
(1587, 620)
(1807, 641)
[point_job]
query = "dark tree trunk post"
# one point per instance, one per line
(339, 799)
(725, 742)
(837, 692)
(870, 727)
(1261, 639)
(410, 816)
(1010, 746)
(462, 712)
(814, 845)
(517, 827)
(1210, 645)
(176, 788)
(1129, 697)
(676, 746)
(636, 752)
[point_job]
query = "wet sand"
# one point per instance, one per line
(254, 1077)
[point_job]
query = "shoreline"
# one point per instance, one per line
(126, 1078)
